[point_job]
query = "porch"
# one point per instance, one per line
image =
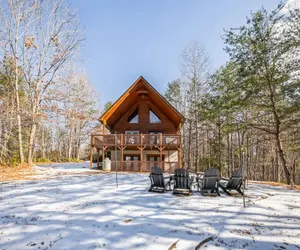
(143, 166)
(138, 152)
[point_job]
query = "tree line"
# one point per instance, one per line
(47, 104)
(247, 112)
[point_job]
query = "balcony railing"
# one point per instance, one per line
(99, 140)
(144, 166)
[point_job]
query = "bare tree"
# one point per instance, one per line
(13, 14)
(195, 66)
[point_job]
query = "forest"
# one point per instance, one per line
(47, 103)
(246, 113)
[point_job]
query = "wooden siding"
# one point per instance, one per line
(140, 93)
(143, 97)
(144, 125)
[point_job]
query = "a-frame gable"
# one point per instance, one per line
(140, 88)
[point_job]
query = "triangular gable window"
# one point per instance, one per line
(134, 117)
(154, 118)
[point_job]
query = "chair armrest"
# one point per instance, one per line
(199, 178)
(224, 179)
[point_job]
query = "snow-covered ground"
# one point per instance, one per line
(73, 167)
(83, 211)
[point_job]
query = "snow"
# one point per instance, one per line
(79, 210)
(76, 167)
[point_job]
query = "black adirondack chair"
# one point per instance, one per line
(234, 183)
(209, 183)
(182, 182)
(159, 183)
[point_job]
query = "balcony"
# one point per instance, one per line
(143, 166)
(136, 140)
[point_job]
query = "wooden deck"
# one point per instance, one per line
(143, 166)
(146, 140)
(140, 142)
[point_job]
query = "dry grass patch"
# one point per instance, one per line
(277, 184)
(20, 172)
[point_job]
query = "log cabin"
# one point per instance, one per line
(144, 131)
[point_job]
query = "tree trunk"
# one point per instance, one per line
(78, 149)
(43, 143)
(33, 129)
(197, 146)
(283, 160)
(189, 147)
(70, 143)
(277, 167)
(219, 145)
(31, 143)
(228, 155)
(19, 124)
(278, 141)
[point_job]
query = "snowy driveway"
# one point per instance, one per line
(89, 212)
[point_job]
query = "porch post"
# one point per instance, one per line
(160, 153)
(122, 151)
(98, 157)
(103, 151)
(91, 157)
(179, 153)
(141, 160)
(141, 154)
(91, 152)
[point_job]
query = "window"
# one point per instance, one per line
(134, 117)
(153, 117)
(131, 132)
(131, 157)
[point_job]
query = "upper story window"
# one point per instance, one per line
(134, 117)
(153, 117)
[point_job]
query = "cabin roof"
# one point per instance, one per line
(128, 99)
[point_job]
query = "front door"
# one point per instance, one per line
(132, 163)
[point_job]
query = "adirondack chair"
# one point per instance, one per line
(234, 183)
(159, 183)
(182, 182)
(209, 183)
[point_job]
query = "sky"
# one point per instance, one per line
(132, 38)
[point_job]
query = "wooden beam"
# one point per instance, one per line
(103, 153)
(141, 160)
(141, 154)
(122, 156)
(179, 155)
(98, 157)
(91, 157)
(161, 148)
(103, 150)
(161, 161)
(122, 151)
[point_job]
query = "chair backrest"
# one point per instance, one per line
(236, 180)
(157, 177)
(182, 179)
(211, 178)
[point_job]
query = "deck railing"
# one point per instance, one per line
(144, 166)
(99, 140)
